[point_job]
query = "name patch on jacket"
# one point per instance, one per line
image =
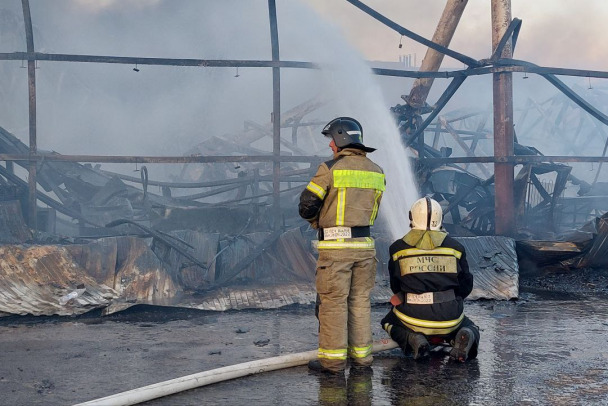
(427, 263)
(422, 298)
(335, 233)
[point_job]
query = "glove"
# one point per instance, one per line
(397, 299)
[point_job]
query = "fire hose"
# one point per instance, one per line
(170, 387)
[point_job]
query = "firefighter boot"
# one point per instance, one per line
(315, 365)
(420, 345)
(465, 338)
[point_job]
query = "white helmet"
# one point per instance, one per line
(426, 214)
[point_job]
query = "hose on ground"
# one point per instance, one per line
(170, 387)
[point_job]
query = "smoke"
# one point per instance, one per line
(346, 78)
(114, 109)
(98, 6)
(91, 108)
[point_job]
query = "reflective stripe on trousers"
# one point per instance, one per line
(359, 352)
(332, 354)
(429, 327)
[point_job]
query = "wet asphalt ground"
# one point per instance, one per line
(543, 349)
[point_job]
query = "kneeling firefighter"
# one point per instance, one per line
(342, 201)
(430, 277)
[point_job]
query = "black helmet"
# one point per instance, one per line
(346, 132)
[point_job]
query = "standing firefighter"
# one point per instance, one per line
(342, 201)
(430, 277)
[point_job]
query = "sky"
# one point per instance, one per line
(557, 33)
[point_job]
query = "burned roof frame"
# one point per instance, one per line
(494, 64)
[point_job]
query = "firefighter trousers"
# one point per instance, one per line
(344, 286)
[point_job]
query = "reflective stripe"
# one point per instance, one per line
(409, 252)
(429, 327)
(359, 179)
(375, 210)
(388, 327)
(317, 190)
(364, 245)
(432, 331)
(359, 352)
(340, 207)
(332, 354)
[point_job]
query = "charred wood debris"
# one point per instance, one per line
(130, 245)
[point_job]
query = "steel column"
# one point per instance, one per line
(276, 114)
(503, 124)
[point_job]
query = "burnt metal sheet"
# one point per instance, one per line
(268, 296)
(293, 256)
(140, 275)
(188, 275)
(254, 297)
(116, 272)
(129, 266)
(279, 257)
(12, 226)
(33, 279)
(99, 258)
(119, 272)
(232, 252)
(493, 263)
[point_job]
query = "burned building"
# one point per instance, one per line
(215, 225)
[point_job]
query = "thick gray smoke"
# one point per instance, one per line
(92, 108)
(86, 108)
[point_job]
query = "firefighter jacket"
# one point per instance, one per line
(431, 270)
(344, 197)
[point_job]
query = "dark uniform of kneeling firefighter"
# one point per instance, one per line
(430, 277)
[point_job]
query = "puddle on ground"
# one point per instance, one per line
(536, 351)
(541, 351)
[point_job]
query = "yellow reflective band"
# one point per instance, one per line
(432, 331)
(329, 245)
(428, 323)
(388, 327)
(359, 179)
(375, 210)
(341, 205)
(317, 190)
(360, 352)
(332, 354)
(410, 252)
